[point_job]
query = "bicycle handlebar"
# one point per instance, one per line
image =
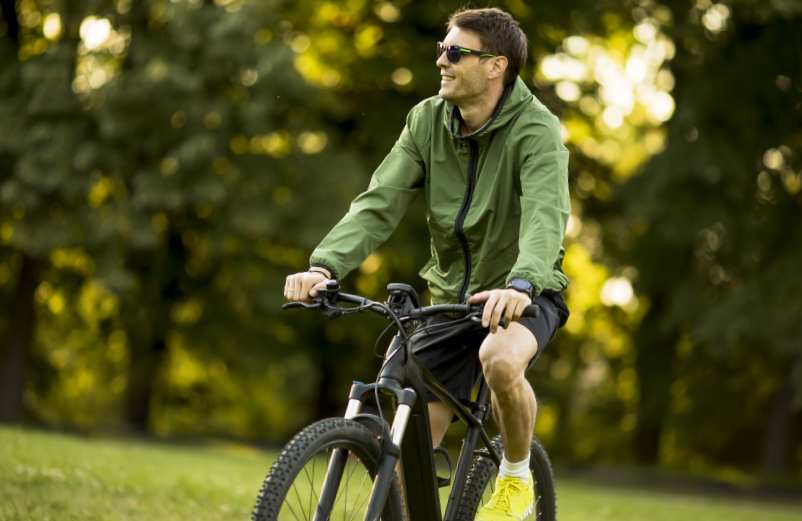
(325, 303)
(532, 310)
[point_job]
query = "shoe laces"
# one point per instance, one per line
(507, 488)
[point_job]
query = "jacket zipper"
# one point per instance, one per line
(463, 212)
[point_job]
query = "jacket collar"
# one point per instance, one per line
(512, 101)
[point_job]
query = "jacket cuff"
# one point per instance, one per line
(319, 264)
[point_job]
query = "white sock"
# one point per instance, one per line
(519, 469)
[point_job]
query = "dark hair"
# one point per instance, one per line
(499, 33)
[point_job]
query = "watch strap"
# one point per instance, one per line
(522, 285)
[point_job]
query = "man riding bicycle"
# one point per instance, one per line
(489, 159)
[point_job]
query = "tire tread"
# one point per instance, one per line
(302, 447)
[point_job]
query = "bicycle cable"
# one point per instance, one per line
(378, 339)
(404, 339)
(402, 344)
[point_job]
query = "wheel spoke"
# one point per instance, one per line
(292, 511)
(311, 482)
(295, 486)
(317, 496)
(298, 497)
(367, 496)
(351, 472)
(351, 469)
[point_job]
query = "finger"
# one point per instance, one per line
(305, 287)
(479, 297)
(320, 285)
(317, 287)
(509, 310)
(296, 289)
(288, 287)
(520, 306)
(497, 311)
(488, 310)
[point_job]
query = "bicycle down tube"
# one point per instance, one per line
(410, 435)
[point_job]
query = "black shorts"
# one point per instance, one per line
(454, 360)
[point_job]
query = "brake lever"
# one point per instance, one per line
(324, 301)
(328, 311)
(305, 305)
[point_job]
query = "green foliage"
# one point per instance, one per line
(714, 239)
(167, 163)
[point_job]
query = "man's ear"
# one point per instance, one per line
(498, 66)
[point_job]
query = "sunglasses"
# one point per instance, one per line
(455, 52)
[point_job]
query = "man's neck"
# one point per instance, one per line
(476, 111)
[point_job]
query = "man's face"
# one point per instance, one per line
(467, 78)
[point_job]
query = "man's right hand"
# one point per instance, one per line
(304, 285)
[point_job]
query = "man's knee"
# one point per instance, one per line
(500, 365)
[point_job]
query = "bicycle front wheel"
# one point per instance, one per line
(480, 484)
(342, 455)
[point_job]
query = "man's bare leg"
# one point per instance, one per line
(516, 422)
(505, 356)
(439, 421)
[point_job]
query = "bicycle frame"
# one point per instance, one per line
(410, 435)
(406, 380)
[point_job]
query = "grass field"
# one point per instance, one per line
(46, 476)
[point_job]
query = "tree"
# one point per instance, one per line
(715, 255)
(42, 205)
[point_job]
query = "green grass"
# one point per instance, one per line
(46, 476)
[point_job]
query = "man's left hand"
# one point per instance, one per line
(500, 302)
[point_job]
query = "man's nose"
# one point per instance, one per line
(442, 61)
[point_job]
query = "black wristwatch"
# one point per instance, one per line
(522, 285)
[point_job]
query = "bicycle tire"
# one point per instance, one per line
(328, 434)
(481, 476)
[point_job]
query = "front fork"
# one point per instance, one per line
(334, 473)
(391, 451)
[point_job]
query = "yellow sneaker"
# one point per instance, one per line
(512, 501)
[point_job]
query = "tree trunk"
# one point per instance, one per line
(148, 324)
(18, 342)
(9, 9)
(331, 398)
(654, 365)
(776, 457)
(146, 357)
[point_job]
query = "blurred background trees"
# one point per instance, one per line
(164, 164)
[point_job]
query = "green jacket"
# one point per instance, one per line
(497, 200)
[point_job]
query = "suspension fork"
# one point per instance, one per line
(334, 473)
(389, 378)
(390, 453)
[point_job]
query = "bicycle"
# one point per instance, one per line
(365, 448)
